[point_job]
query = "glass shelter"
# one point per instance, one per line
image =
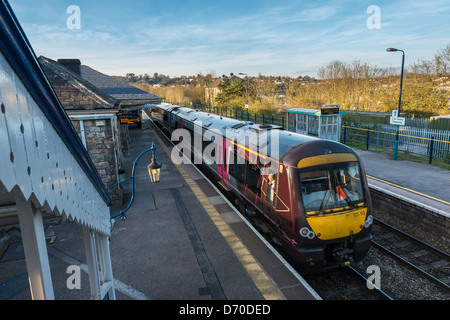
(324, 123)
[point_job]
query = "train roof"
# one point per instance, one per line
(237, 130)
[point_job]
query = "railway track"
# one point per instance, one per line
(344, 284)
(424, 259)
(418, 263)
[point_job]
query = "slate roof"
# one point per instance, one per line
(74, 92)
(127, 94)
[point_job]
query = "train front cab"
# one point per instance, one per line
(335, 212)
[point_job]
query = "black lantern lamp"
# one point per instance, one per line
(154, 171)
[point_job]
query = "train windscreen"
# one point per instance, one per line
(331, 188)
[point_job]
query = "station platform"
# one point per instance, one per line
(426, 184)
(181, 240)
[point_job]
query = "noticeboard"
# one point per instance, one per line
(132, 118)
(330, 110)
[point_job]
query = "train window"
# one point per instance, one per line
(236, 167)
(253, 177)
(331, 188)
(209, 151)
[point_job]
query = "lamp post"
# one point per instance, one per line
(399, 99)
(246, 90)
(190, 92)
(154, 171)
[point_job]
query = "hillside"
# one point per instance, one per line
(355, 86)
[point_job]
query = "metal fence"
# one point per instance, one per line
(431, 144)
(418, 141)
(258, 118)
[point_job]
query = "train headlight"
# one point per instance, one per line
(306, 233)
(368, 221)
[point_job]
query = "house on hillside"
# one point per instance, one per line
(212, 90)
(93, 114)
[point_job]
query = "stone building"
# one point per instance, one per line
(93, 114)
(130, 98)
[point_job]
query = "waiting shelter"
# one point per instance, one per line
(323, 123)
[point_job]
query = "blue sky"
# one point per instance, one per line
(272, 37)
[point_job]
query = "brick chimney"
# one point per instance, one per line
(71, 64)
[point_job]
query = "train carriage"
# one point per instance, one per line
(308, 195)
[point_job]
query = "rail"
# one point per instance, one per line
(441, 263)
(242, 115)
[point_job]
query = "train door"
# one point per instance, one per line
(269, 187)
(222, 147)
(253, 180)
(177, 122)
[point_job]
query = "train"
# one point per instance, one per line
(308, 196)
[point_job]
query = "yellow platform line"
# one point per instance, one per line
(410, 190)
(262, 281)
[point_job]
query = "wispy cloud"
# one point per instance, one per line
(235, 36)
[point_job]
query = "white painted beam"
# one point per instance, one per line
(33, 237)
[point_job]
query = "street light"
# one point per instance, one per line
(246, 90)
(190, 91)
(154, 171)
(399, 99)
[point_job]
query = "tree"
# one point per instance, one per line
(232, 93)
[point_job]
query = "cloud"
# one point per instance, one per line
(268, 37)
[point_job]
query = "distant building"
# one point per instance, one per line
(212, 91)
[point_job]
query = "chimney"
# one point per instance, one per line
(71, 64)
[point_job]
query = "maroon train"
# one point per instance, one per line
(309, 196)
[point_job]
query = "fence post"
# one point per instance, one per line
(282, 121)
(263, 119)
(431, 150)
(367, 140)
(345, 135)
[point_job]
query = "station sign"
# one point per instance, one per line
(131, 118)
(396, 120)
(330, 109)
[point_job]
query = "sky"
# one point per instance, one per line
(287, 38)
